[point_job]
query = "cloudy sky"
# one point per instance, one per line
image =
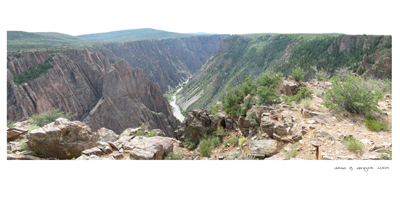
(76, 17)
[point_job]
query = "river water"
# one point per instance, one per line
(177, 111)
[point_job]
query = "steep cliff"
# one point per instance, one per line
(194, 51)
(167, 62)
(238, 57)
(153, 58)
(86, 84)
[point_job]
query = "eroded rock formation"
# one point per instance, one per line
(101, 94)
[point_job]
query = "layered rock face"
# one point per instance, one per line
(154, 58)
(88, 85)
(167, 62)
(194, 51)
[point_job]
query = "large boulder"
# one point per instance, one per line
(61, 139)
(198, 122)
(267, 126)
(150, 148)
(264, 148)
(106, 135)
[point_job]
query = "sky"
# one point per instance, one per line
(225, 17)
(184, 183)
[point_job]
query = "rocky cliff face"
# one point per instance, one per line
(101, 94)
(153, 57)
(167, 62)
(194, 51)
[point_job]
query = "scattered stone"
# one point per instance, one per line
(91, 157)
(311, 127)
(309, 114)
(327, 157)
(372, 156)
(297, 137)
(92, 151)
(311, 122)
(117, 155)
(280, 129)
(303, 132)
(221, 157)
(21, 157)
(267, 127)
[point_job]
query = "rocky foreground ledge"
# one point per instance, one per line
(64, 139)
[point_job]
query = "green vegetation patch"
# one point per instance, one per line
(354, 95)
(353, 144)
(34, 73)
(48, 117)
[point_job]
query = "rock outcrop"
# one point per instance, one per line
(61, 139)
(197, 123)
(85, 83)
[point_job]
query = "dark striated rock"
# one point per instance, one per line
(198, 122)
(88, 85)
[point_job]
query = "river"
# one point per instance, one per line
(177, 111)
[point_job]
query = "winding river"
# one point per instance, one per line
(177, 111)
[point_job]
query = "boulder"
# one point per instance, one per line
(150, 148)
(106, 135)
(198, 122)
(280, 129)
(264, 148)
(291, 87)
(61, 139)
(15, 133)
(159, 132)
(267, 126)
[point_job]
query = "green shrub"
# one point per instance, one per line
(322, 75)
(376, 126)
(291, 153)
(307, 103)
(248, 87)
(10, 124)
(266, 94)
(176, 155)
(387, 155)
(48, 117)
(25, 147)
(298, 74)
(251, 117)
(220, 131)
(269, 79)
(303, 93)
(143, 134)
(215, 141)
(215, 109)
(230, 102)
(353, 144)
(319, 92)
(231, 141)
(354, 95)
(190, 145)
(34, 73)
(32, 127)
(248, 102)
(205, 148)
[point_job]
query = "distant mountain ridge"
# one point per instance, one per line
(132, 34)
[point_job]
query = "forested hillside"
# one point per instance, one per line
(238, 57)
(20, 40)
